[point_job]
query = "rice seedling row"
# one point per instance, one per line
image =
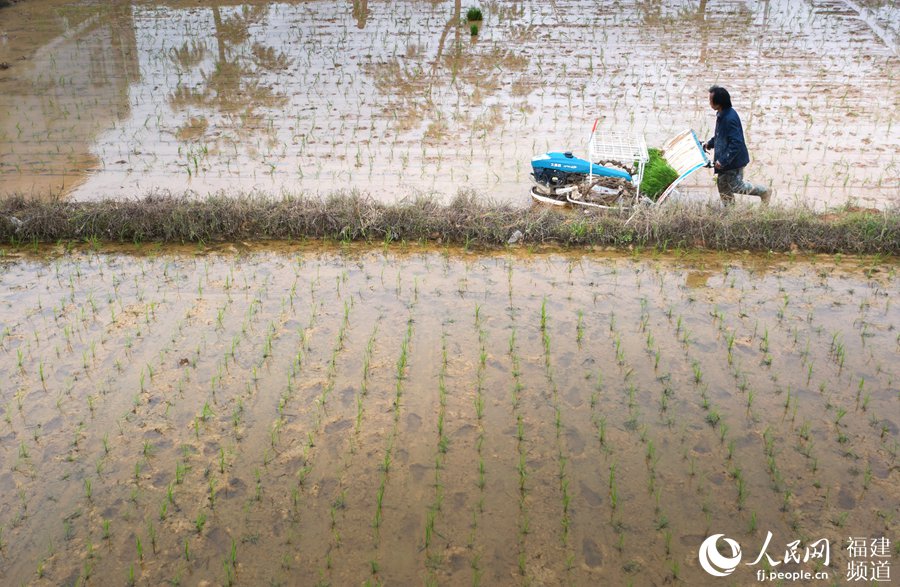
(391, 449)
(562, 456)
(523, 524)
(434, 515)
(339, 496)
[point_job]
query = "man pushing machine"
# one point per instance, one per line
(731, 151)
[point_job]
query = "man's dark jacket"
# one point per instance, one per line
(728, 141)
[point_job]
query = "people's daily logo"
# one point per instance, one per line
(870, 559)
(715, 563)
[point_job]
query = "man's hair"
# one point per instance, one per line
(720, 96)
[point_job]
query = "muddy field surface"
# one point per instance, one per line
(289, 416)
(122, 98)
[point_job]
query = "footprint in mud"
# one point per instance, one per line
(574, 442)
(347, 396)
(337, 426)
(845, 499)
(465, 431)
(593, 498)
(593, 557)
(418, 471)
(702, 448)
(235, 488)
(413, 422)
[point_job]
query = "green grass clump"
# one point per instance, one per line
(474, 15)
(658, 175)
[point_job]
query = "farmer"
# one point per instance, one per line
(731, 151)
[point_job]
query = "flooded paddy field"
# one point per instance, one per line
(117, 99)
(284, 415)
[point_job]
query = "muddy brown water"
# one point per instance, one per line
(396, 99)
(287, 415)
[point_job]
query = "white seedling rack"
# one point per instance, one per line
(623, 147)
(684, 154)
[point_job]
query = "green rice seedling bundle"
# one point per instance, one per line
(658, 175)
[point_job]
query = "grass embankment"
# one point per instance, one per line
(465, 220)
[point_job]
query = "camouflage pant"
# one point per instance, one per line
(732, 182)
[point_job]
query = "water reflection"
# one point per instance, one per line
(233, 88)
(360, 12)
(397, 98)
(413, 84)
(70, 67)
